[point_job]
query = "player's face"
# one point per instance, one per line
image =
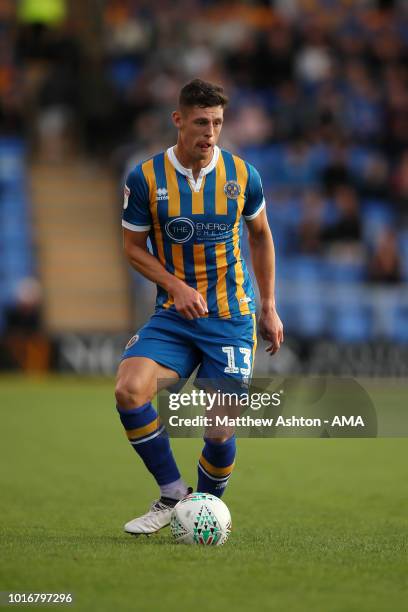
(199, 130)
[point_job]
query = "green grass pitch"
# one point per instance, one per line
(318, 524)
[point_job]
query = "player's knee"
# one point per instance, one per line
(221, 439)
(133, 392)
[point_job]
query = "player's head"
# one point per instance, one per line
(199, 118)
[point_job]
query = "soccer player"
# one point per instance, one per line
(191, 201)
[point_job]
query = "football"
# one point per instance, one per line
(201, 518)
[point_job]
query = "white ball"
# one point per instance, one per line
(201, 518)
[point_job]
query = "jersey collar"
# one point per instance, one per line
(196, 185)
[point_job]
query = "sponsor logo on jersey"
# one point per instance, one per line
(213, 231)
(132, 341)
(245, 300)
(162, 194)
(126, 194)
(180, 229)
(232, 189)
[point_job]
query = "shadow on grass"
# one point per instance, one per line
(44, 538)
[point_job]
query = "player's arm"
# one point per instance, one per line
(263, 262)
(187, 300)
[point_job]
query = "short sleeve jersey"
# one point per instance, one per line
(195, 226)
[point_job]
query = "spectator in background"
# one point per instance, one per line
(374, 180)
(24, 315)
(385, 263)
(298, 169)
(346, 231)
(313, 61)
(98, 104)
(11, 97)
(396, 113)
(336, 172)
(42, 11)
(250, 126)
(11, 101)
(400, 186)
(288, 112)
(58, 97)
(311, 224)
(276, 57)
(52, 57)
(24, 342)
(363, 104)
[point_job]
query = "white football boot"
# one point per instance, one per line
(155, 519)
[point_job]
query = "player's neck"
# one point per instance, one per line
(195, 165)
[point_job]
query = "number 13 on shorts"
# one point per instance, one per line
(232, 368)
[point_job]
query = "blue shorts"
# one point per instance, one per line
(223, 348)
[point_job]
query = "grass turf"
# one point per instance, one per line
(319, 524)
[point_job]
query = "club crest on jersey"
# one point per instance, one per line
(232, 189)
(126, 194)
(132, 341)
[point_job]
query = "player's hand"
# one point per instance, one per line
(271, 329)
(188, 302)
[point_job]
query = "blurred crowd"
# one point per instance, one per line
(318, 88)
(318, 102)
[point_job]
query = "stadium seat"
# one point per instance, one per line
(311, 319)
(16, 259)
(390, 306)
(403, 242)
(351, 322)
(339, 272)
(376, 215)
(307, 268)
(399, 324)
(357, 160)
(268, 162)
(288, 313)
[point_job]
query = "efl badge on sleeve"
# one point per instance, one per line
(232, 189)
(126, 194)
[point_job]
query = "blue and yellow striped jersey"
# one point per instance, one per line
(196, 226)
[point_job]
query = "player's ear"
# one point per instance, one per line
(177, 120)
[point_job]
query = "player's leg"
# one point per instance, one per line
(157, 352)
(216, 464)
(138, 381)
(228, 348)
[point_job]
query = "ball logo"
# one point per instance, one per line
(180, 229)
(232, 189)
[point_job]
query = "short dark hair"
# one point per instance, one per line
(203, 94)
